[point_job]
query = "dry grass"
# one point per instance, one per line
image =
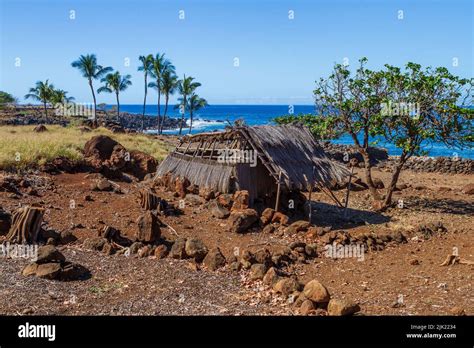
(21, 147)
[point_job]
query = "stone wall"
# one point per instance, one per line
(448, 165)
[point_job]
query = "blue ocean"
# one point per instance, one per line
(216, 117)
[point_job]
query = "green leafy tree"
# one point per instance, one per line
(42, 92)
(161, 65)
(115, 83)
(6, 98)
(440, 112)
(91, 70)
(186, 87)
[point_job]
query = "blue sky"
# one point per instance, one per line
(280, 58)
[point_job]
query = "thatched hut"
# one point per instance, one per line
(258, 159)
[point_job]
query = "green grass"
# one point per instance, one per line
(22, 148)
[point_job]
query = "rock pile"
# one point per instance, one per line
(107, 156)
(51, 264)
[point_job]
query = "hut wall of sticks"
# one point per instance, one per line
(262, 160)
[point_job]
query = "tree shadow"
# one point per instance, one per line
(443, 205)
(325, 214)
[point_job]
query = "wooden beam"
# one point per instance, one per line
(277, 203)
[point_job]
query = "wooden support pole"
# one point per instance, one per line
(346, 203)
(277, 203)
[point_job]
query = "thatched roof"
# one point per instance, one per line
(293, 150)
(289, 149)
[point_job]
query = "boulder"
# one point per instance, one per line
(316, 292)
(468, 189)
(99, 148)
(195, 249)
(40, 128)
(161, 251)
(178, 250)
(148, 228)
(242, 220)
(95, 243)
(225, 200)
(342, 307)
(218, 211)
(286, 286)
(30, 269)
(102, 185)
(298, 226)
(271, 277)
(306, 307)
(49, 253)
(257, 271)
(67, 237)
(263, 256)
(50, 270)
(241, 200)
(141, 164)
(214, 259)
(267, 216)
(280, 218)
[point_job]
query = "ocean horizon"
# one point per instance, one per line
(217, 117)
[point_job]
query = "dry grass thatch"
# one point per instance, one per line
(293, 150)
(290, 149)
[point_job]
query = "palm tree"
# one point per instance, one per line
(146, 67)
(186, 87)
(42, 92)
(195, 103)
(115, 83)
(160, 66)
(89, 68)
(169, 84)
(60, 96)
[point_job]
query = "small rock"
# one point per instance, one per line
(342, 307)
(271, 277)
(306, 307)
(178, 250)
(196, 249)
(286, 286)
(257, 271)
(161, 251)
(214, 259)
(316, 292)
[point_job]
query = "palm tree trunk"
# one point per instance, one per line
(118, 107)
(190, 120)
(159, 99)
(182, 115)
(45, 112)
(158, 115)
(144, 103)
(164, 115)
(93, 97)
